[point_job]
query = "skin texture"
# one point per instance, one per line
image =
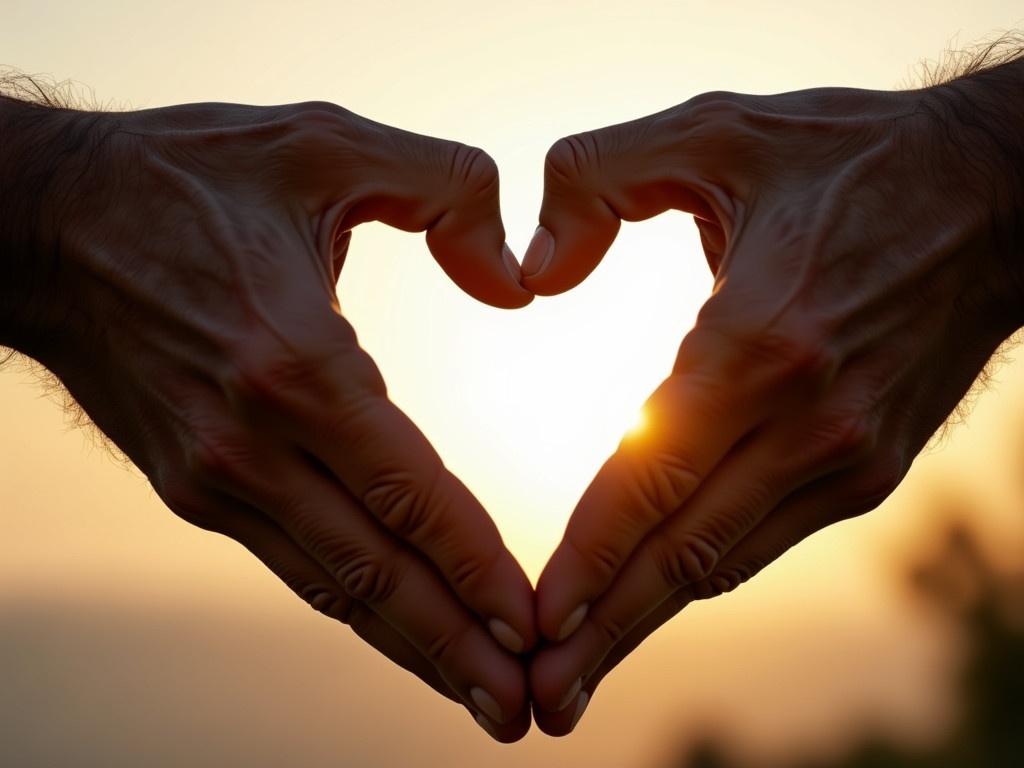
(189, 257)
(866, 268)
(176, 269)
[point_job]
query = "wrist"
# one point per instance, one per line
(980, 121)
(44, 153)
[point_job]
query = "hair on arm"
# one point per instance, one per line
(956, 63)
(46, 92)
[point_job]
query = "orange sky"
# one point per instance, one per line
(523, 406)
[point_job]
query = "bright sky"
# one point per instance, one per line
(522, 405)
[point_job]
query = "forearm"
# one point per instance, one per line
(42, 150)
(983, 117)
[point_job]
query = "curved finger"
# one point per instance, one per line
(447, 189)
(583, 660)
(335, 407)
(375, 569)
(725, 385)
(308, 579)
(574, 702)
(741, 492)
(692, 420)
(631, 171)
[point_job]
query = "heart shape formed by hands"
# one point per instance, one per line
(202, 249)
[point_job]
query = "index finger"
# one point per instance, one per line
(720, 392)
(402, 481)
(334, 405)
(417, 183)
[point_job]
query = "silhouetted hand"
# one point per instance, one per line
(192, 313)
(863, 277)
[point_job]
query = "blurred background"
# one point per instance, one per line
(129, 638)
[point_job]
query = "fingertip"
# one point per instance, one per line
(509, 733)
(552, 676)
(469, 256)
(572, 622)
(564, 252)
(538, 253)
(511, 640)
(506, 602)
(521, 297)
(558, 601)
(563, 722)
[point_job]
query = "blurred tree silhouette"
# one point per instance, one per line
(988, 605)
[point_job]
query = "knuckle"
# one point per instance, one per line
(469, 573)
(599, 555)
(570, 159)
(684, 560)
(711, 102)
(267, 379)
(847, 437)
(610, 628)
(443, 649)
(406, 503)
(328, 601)
(318, 110)
(802, 356)
(659, 484)
(714, 107)
(317, 126)
(725, 580)
(473, 171)
(317, 135)
(367, 578)
(275, 376)
(216, 458)
(714, 114)
(718, 118)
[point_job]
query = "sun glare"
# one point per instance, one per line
(637, 424)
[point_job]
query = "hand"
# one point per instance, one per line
(860, 287)
(193, 315)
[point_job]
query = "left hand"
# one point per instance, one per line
(192, 313)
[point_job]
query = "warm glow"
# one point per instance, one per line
(524, 406)
(637, 424)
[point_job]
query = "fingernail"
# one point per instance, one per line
(581, 707)
(486, 704)
(572, 623)
(538, 253)
(567, 699)
(510, 263)
(487, 725)
(507, 636)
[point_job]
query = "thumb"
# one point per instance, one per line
(594, 180)
(450, 190)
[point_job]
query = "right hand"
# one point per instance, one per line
(193, 315)
(862, 281)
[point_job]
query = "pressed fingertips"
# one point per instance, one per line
(486, 704)
(507, 636)
(538, 253)
(510, 263)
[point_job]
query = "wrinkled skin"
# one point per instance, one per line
(200, 330)
(861, 284)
